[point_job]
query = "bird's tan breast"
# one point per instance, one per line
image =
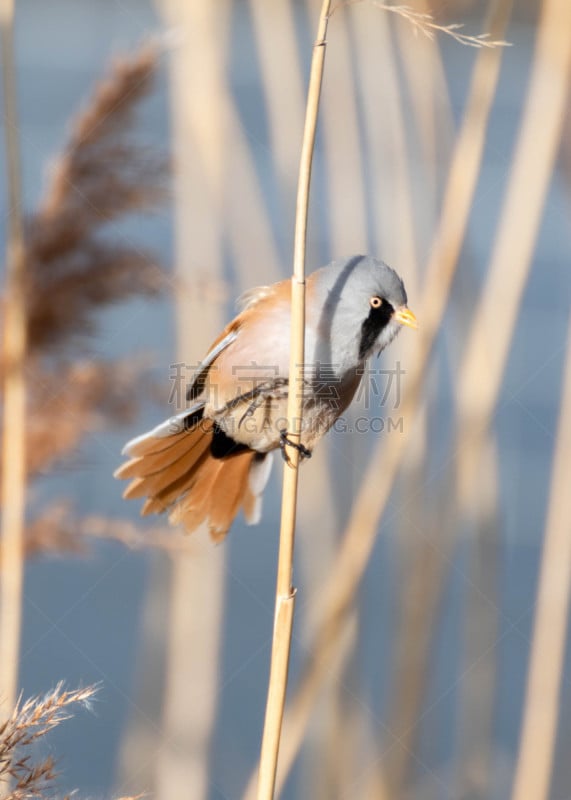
(248, 383)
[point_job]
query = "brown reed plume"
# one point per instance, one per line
(33, 777)
(103, 175)
(29, 722)
(74, 269)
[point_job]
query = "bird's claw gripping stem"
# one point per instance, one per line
(285, 441)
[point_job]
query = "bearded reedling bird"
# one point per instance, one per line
(214, 458)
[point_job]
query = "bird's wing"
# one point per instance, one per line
(249, 304)
(226, 338)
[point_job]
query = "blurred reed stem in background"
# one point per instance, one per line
(199, 100)
(543, 695)
(438, 534)
(338, 593)
(398, 224)
(347, 227)
(480, 633)
(14, 389)
(277, 49)
(497, 312)
(75, 269)
(537, 147)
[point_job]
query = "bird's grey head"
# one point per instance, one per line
(363, 306)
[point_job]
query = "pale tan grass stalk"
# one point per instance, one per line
(345, 207)
(274, 25)
(334, 744)
(495, 317)
(497, 313)
(532, 168)
(261, 265)
(285, 593)
(386, 138)
(359, 537)
(397, 222)
(226, 169)
(539, 139)
(542, 698)
(478, 696)
(430, 556)
(14, 400)
(431, 107)
(204, 133)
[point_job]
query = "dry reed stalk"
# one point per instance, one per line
(226, 167)
(499, 300)
(264, 266)
(341, 736)
(360, 533)
(204, 125)
(285, 593)
(394, 224)
(430, 103)
(546, 665)
(538, 141)
(274, 25)
(429, 563)
(536, 149)
(477, 702)
(344, 162)
(386, 137)
(535, 153)
(425, 78)
(14, 389)
(321, 504)
(539, 138)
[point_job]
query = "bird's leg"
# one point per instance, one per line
(252, 408)
(285, 441)
(258, 395)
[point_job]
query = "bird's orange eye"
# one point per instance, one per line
(376, 302)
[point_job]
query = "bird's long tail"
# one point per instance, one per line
(190, 468)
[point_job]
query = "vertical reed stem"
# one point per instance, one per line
(534, 767)
(13, 439)
(285, 593)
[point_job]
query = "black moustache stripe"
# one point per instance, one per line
(377, 319)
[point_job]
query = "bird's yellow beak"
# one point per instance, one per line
(405, 316)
